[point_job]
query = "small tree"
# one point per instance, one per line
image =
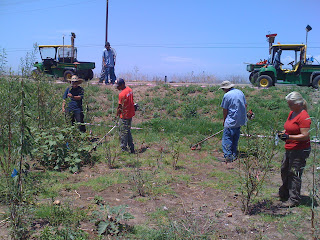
(255, 166)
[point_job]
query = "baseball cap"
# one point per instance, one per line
(120, 82)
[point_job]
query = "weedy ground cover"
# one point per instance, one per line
(170, 191)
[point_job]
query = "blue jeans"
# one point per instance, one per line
(107, 71)
(230, 140)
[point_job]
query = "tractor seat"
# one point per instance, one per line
(294, 69)
(49, 62)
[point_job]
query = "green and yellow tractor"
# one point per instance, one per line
(61, 61)
(287, 64)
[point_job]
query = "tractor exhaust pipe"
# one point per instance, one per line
(73, 36)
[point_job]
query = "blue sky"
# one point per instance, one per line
(158, 38)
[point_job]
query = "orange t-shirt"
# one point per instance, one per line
(126, 100)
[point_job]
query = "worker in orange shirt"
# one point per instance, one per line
(125, 110)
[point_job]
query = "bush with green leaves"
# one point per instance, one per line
(112, 220)
(60, 148)
(54, 233)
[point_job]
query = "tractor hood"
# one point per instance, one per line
(267, 68)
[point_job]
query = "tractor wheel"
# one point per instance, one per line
(67, 75)
(253, 77)
(316, 82)
(89, 75)
(264, 81)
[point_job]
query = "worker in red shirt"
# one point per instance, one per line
(297, 145)
(125, 110)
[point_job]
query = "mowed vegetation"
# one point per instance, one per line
(60, 184)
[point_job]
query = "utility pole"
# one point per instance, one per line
(102, 76)
(107, 21)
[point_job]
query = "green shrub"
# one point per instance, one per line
(54, 233)
(61, 148)
(112, 220)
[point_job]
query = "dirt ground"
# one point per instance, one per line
(192, 199)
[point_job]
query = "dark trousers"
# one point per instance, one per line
(292, 167)
(78, 116)
(125, 134)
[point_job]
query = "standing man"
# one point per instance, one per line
(234, 116)
(125, 110)
(75, 95)
(108, 62)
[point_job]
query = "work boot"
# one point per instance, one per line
(220, 159)
(289, 204)
(124, 149)
(281, 198)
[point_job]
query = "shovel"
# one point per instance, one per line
(197, 145)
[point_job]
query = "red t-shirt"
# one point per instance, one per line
(126, 100)
(292, 127)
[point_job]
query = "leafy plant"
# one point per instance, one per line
(69, 233)
(59, 214)
(61, 148)
(112, 220)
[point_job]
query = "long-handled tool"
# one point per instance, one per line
(95, 147)
(194, 147)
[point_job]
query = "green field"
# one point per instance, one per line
(66, 190)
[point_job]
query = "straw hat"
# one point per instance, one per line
(226, 85)
(75, 78)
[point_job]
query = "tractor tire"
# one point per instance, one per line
(264, 81)
(67, 75)
(316, 82)
(253, 77)
(89, 75)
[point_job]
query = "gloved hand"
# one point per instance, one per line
(136, 106)
(250, 114)
(283, 136)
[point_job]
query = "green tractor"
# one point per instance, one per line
(61, 61)
(297, 69)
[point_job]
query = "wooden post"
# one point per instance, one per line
(107, 10)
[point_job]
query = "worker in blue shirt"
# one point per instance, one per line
(234, 116)
(74, 95)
